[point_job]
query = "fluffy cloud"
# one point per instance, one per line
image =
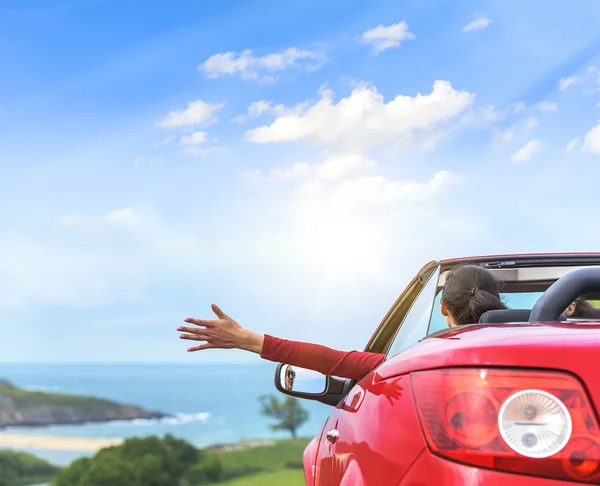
(547, 106)
(197, 113)
(334, 167)
(363, 120)
(264, 107)
(532, 122)
(250, 66)
(374, 192)
(565, 83)
(195, 138)
(385, 37)
(479, 23)
(526, 152)
(591, 143)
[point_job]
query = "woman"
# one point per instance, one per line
(470, 291)
(580, 309)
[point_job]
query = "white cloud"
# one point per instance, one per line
(197, 113)
(376, 191)
(165, 141)
(502, 137)
(526, 152)
(532, 122)
(195, 138)
(333, 167)
(363, 120)
(264, 107)
(572, 145)
(565, 83)
(547, 106)
(479, 23)
(591, 143)
(249, 66)
(385, 37)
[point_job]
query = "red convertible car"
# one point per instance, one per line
(511, 400)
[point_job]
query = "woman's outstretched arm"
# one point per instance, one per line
(226, 333)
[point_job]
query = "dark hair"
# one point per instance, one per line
(469, 292)
(583, 309)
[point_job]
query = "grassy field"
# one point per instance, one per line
(287, 477)
(266, 458)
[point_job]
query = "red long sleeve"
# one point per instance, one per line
(344, 364)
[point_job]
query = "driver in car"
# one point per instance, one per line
(290, 374)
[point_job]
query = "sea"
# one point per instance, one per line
(209, 403)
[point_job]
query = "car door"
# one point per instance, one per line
(323, 465)
(371, 418)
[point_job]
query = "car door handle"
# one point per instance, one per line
(333, 435)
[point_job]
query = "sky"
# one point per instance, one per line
(295, 162)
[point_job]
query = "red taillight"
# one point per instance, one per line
(473, 416)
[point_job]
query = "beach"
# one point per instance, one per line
(54, 442)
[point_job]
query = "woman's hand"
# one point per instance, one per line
(223, 333)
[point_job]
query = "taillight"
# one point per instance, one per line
(527, 422)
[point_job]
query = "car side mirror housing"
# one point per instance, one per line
(308, 384)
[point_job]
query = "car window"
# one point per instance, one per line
(521, 300)
(415, 323)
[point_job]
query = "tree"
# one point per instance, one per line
(288, 413)
(139, 461)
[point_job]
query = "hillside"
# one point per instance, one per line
(20, 407)
(21, 468)
(168, 461)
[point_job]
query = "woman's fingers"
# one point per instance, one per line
(192, 330)
(200, 322)
(219, 313)
(195, 337)
(201, 347)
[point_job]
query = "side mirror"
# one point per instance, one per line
(308, 384)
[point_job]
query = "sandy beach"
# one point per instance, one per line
(52, 442)
(94, 444)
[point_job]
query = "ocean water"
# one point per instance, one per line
(211, 403)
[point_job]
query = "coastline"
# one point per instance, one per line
(94, 444)
(54, 442)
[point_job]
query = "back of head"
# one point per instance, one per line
(470, 291)
(583, 309)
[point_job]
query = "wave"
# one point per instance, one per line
(176, 419)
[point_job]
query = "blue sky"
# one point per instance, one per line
(295, 162)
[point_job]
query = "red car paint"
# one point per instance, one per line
(381, 441)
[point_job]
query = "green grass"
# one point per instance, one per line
(267, 458)
(285, 477)
(25, 398)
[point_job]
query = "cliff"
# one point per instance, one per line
(20, 407)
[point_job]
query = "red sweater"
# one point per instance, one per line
(344, 364)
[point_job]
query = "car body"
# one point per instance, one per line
(440, 410)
